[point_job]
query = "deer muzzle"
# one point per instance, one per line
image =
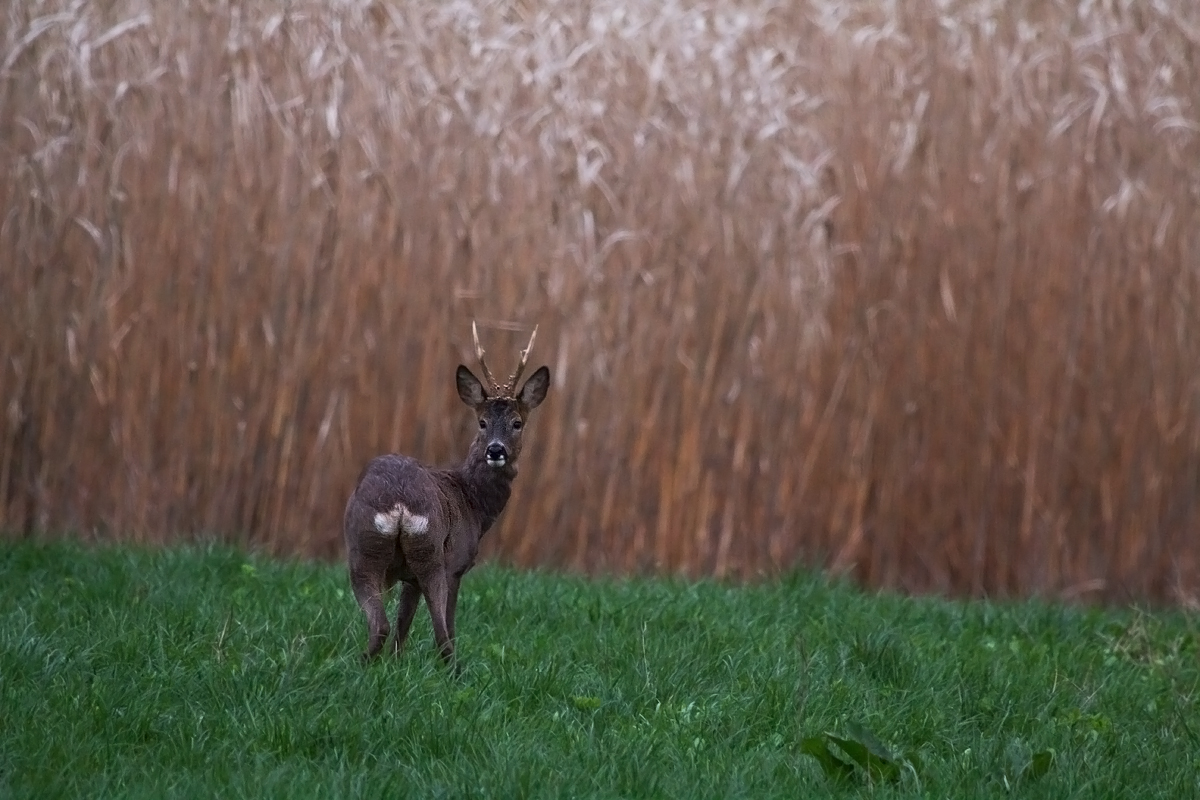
(497, 454)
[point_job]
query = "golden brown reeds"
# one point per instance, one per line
(907, 289)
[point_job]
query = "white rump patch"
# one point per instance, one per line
(389, 523)
(413, 524)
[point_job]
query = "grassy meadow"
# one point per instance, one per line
(201, 671)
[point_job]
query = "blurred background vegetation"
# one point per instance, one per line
(908, 290)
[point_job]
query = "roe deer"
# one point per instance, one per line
(421, 526)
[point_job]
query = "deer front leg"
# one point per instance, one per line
(454, 582)
(436, 590)
(410, 598)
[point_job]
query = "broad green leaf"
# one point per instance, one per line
(869, 740)
(585, 703)
(1039, 765)
(833, 766)
(879, 769)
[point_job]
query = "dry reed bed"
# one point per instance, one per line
(905, 291)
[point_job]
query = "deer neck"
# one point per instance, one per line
(486, 489)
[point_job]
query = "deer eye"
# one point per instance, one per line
(516, 425)
(483, 424)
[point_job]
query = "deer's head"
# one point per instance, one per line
(502, 411)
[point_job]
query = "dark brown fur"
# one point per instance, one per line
(459, 505)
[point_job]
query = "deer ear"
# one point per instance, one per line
(534, 391)
(470, 390)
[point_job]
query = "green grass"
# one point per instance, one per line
(203, 672)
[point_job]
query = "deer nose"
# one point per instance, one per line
(497, 452)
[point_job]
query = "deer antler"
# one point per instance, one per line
(487, 373)
(511, 386)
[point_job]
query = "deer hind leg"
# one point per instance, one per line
(426, 558)
(368, 590)
(410, 598)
